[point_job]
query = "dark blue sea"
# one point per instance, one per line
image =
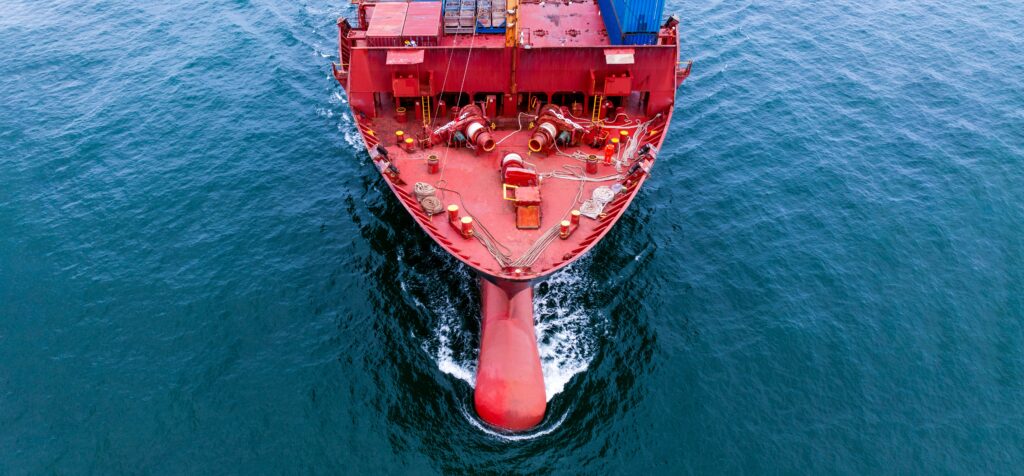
(202, 273)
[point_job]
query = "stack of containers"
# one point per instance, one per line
(451, 16)
(632, 22)
(490, 16)
(467, 16)
(459, 16)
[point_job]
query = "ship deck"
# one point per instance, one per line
(557, 54)
(474, 183)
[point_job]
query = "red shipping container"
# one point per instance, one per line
(423, 23)
(386, 24)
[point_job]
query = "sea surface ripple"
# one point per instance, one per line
(201, 273)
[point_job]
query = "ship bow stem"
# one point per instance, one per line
(509, 390)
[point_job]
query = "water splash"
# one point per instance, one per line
(566, 333)
(543, 429)
(346, 125)
(450, 358)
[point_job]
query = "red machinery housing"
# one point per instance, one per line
(554, 126)
(470, 126)
(521, 185)
(515, 172)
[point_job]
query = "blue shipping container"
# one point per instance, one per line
(490, 30)
(640, 39)
(632, 22)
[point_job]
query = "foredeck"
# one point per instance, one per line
(474, 183)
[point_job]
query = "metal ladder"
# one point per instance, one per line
(425, 105)
(595, 112)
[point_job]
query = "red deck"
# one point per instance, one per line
(398, 58)
(480, 194)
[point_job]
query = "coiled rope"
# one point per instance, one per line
(426, 194)
(423, 190)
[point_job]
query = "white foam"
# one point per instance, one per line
(448, 326)
(542, 430)
(444, 355)
(565, 337)
(346, 125)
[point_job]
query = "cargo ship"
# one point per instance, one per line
(515, 133)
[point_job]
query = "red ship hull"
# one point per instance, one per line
(521, 153)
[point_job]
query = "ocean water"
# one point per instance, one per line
(200, 272)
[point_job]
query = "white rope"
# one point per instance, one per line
(519, 119)
(574, 176)
(423, 190)
(533, 253)
(451, 54)
(469, 56)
